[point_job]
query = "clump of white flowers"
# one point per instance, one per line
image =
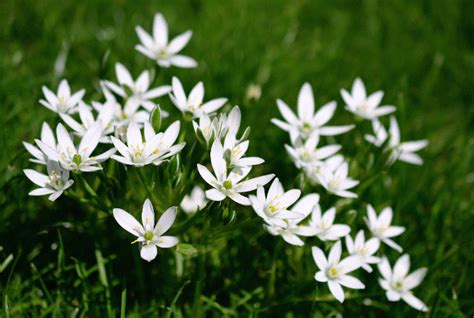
(125, 132)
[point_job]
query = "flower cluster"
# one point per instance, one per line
(125, 128)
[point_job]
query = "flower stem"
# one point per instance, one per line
(149, 190)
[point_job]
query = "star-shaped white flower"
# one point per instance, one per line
(47, 137)
(398, 283)
(322, 225)
(228, 184)
(403, 151)
(87, 120)
(276, 203)
(194, 201)
(193, 104)
(337, 181)
(52, 184)
(307, 122)
(365, 106)
(149, 235)
(307, 153)
(364, 249)
(136, 92)
(290, 229)
(77, 158)
(333, 270)
(380, 226)
(313, 170)
(158, 48)
(62, 102)
(151, 148)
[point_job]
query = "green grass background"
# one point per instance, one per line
(67, 261)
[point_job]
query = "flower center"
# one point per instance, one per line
(227, 184)
(332, 272)
(148, 235)
(162, 53)
(77, 159)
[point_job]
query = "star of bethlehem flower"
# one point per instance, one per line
(207, 129)
(136, 92)
(333, 270)
(403, 151)
(193, 104)
(62, 102)
(307, 122)
(276, 203)
(77, 158)
(313, 170)
(337, 182)
(290, 229)
(47, 137)
(87, 120)
(228, 184)
(158, 48)
(398, 283)
(194, 201)
(364, 106)
(380, 226)
(234, 151)
(153, 148)
(322, 225)
(123, 114)
(52, 184)
(365, 250)
(307, 153)
(149, 235)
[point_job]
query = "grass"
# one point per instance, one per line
(68, 259)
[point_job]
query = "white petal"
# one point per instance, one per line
(215, 195)
(319, 258)
(402, 266)
(413, 301)
(167, 241)
(179, 42)
(36, 177)
(128, 222)
(160, 30)
(165, 221)
(324, 114)
(335, 253)
(292, 239)
(148, 252)
(306, 103)
(240, 199)
(384, 268)
(206, 175)
(183, 61)
(286, 112)
(148, 215)
(123, 75)
(415, 278)
(336, 290)
(351, 282)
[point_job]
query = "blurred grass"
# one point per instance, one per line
(419, 52)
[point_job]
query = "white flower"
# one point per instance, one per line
(72, 158)
(313, 170)
(308, 122)
(140, 94)
(307, 153)
(365, 106)
(398, 283)
(322, 225)
(194, 201)
(52, 184)
(337, 181)
(403, 151)
(123, 115)
(153, 148)
(206, 128)
(289, 229)
(228, 184)
(148, 234)
(364, 249)
(47, 137)
(380, 226)
(158, 48)
(334, 271)
(193, 104)
(63, 101)
(234, 151)
(276, 203)
(105, 117)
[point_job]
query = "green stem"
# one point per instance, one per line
(149, 190)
